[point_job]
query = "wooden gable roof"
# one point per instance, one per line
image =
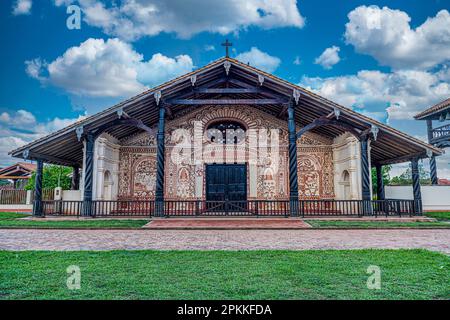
(63, 147)
(20, 170)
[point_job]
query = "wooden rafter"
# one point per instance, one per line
(226, 101)
(324, 121)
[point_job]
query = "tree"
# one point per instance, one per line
(406, 177)
(386, 177)
(52, 176)
(4, 182)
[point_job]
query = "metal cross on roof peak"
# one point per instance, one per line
(227, 44)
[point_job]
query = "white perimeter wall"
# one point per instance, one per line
(347, 157)
(434, 198)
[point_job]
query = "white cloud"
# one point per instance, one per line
(98, 68)
(20, 127)
(22, 7)
(210, 47)
(259, 59)
(398, 95)
(386, 35)
(133, 19)
(161, 68)
(329, 57)
(297, 61)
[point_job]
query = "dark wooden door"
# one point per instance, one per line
(226, 182)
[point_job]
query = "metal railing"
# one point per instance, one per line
(47, 194)
(62, 208)
(255, 208)
(226, 208)
(128, 208)
(441, 132)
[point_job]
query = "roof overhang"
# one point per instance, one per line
(63, 147)
(437, 112)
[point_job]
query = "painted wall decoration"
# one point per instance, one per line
(137, 167)
(185, 172)
(143, 183)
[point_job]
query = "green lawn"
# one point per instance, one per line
(12, 220)
(405, 274)
(439, 215)
(376, 224)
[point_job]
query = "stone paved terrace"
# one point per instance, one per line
(437, 240)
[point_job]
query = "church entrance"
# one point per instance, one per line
(226, 187)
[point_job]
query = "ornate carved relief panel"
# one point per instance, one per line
(184, 173)
(137, 167)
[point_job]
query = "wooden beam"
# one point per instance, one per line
(168, 110)
(405, 158)
(227, 90)
(242, 84)
(324, 121)
(15, 177)
(226, 101)
(122, 122)
(37, 156)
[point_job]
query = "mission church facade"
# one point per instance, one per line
(226, 132)
(126, 169)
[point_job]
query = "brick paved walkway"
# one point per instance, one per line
(227, 223)
(437, 240)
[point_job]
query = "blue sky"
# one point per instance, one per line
(387, 59)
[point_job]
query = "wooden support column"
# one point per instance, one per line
(37, 206)
(159, 193)
(365, 170)
(380, 182)
(416, 186)
(75, 185)
(433, 168)
(89, 173)
(293, 174)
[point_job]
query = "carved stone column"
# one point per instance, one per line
(159, 192)
(293, 175)
(37, 206)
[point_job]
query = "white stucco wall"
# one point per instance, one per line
(106, 159)
(71, 195)
(434, 198)
(347, 156)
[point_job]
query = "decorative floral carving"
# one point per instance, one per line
(144, 178)
(137, 177)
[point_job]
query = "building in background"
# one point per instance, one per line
(439, 136)
(17, 174)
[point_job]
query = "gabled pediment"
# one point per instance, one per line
(228, 82)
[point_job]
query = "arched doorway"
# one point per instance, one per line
(345, 182)
(226, 177)
(107, 186)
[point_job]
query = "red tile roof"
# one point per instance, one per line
(441, 106)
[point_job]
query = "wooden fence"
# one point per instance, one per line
(11, 197)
